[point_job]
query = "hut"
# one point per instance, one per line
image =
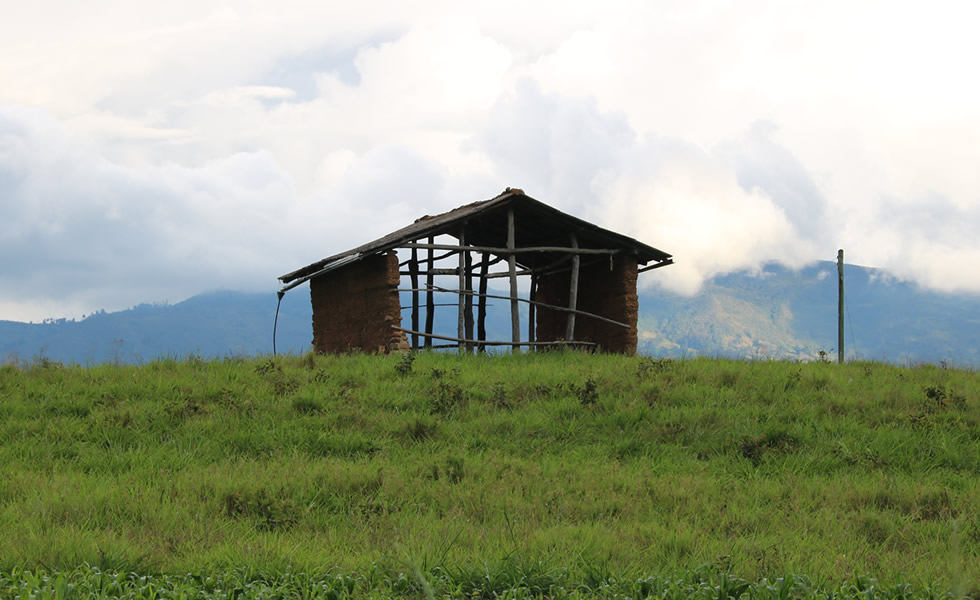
(580, 288)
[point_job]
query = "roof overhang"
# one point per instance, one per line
(486, 222)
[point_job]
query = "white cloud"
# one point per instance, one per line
(745, 204)
(88, 233)
(185, 145)
(691, 205)
(552, 146)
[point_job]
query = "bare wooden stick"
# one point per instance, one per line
(536, 303)
(515, 250)
(664, 263)
(573, 293)
(487, 260)
(519, 273)
(532, 295)
(546, 270)
(461, 325)
(437, 304)
(515, 318)
(552, 267)
(493, 343)
(455, 272)
(413, 268)
(481, 311)
(436, 259)
(430, 304)
(468, 304)
(549, 269)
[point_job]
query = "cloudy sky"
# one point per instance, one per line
(153, 151)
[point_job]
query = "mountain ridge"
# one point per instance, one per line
(772, 313)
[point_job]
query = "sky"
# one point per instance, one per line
(153, 151)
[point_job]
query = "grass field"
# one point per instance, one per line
(477, 475)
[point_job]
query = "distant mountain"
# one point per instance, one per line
(776, 313)
(217, 324)
(781, 313)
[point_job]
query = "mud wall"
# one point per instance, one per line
(355, 306)
(605, 289)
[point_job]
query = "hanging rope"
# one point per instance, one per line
(275, 323)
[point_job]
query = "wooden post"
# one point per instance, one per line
(541, 304)
(515, 317)
(493, 343)
(840, 306)
(430, 303)
(481, 311)
(413, 268)
(572, 293)
(468, 304)
(461, 325)
(532, 296)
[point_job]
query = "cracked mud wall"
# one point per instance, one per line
(355, 306)
(605, 288)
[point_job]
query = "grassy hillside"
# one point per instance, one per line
(479, 472)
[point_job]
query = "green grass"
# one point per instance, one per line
(477, 471)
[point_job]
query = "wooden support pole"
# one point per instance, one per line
(423, 247)
(455, 271)
(468, 288)
(485, 259)
(453, 304)
(573, 293)
(498, 275)
(413, 267)
(481, 311)
(430, 303)
(494, 343)
(550, 269)
(840, 306)
(508, 250)
(515, 317)
(536, 303)
(532, 296)
(662, 263)
(461, 324)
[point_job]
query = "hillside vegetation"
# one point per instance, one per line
(477, 475)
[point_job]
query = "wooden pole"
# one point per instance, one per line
(413, 268)
(423, 247)
(430, 303)
(515, 317)
(468, 312)
(485, 259)
(461, 325)
(663, 263)
(481, 311)
(524, 250)
(573, 293)
(455, 271)
(840, 306)
(532, 296)
(495, 343)
(536, 303)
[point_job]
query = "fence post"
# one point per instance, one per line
(840, 306)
